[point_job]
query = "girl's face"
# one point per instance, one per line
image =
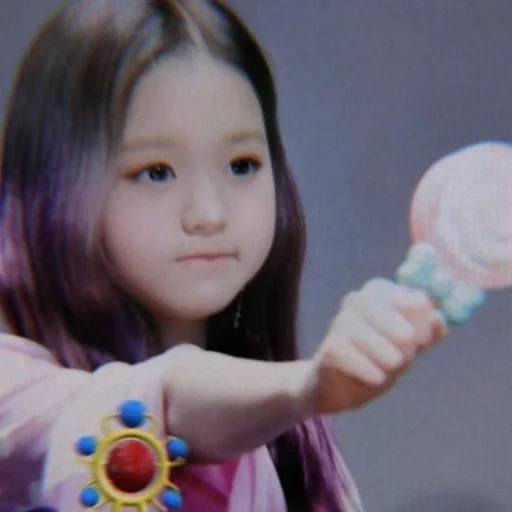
(191, 217)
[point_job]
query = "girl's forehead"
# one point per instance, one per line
(192, 93)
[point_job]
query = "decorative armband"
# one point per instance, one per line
(130, 466)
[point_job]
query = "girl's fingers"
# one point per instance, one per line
(404, 316)
(380, 330)
(357, 365)
(410, 299)
(383, 316)
(373, 344)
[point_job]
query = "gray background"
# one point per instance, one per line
(371, 94)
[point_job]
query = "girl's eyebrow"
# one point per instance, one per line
(158, 142)
(148, 143)
(247, 136)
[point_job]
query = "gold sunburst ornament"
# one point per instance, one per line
(130, 466)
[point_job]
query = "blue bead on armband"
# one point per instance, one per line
(130, 466)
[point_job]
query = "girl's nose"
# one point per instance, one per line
(203, 212)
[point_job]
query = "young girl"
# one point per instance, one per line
(152, 244)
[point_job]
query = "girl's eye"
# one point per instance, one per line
(244, 166)
(157, 173)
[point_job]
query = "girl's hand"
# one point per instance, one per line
(372, 341)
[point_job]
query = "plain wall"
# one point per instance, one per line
(371, 94)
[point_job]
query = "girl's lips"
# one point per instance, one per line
(206, 256)
(207, 261)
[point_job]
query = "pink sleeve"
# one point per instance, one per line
(45, 408)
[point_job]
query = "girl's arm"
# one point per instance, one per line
(45, 409)
(224, 406)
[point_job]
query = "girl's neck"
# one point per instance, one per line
(183, 331)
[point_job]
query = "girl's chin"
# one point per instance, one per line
(195, 311)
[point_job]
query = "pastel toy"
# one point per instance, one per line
(461, 227)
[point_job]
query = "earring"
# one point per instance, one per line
(238, 312)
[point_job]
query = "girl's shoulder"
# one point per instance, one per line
(12, 346)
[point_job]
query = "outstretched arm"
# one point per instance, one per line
(224, 406)
(45, 408)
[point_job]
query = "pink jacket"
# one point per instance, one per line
(45, 408)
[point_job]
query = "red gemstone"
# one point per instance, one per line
(131, 466)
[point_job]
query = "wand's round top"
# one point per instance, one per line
(463, 208)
